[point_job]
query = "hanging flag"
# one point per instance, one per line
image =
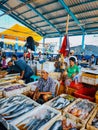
(65, 48)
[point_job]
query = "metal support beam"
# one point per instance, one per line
(38, 13)
(72, 6)
(66, 16)
(43, 44)
(83, 45)
(73, 32)
(71, 14)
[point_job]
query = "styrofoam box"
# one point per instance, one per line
(88, 80)
(15, 91)
(36, 112)
(6, 123)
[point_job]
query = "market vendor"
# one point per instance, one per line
(72, 71)
(24, 69)
(12, 68)
(45, 88)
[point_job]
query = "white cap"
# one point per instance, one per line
(72, 51)
(46, 70)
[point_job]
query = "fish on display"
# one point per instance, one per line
(35, 122)
(81, 109)
(56, 126)
(15, 106)
(60, 103)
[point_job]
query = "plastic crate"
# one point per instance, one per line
(73, 87)
(86, 93)
(76, 85)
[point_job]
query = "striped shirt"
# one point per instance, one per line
(46, 85)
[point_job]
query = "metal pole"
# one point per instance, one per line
(83, 45)
(43, 44)
(60, 41)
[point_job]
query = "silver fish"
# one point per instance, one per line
(19, 113)
(56, 126)
(34, 122)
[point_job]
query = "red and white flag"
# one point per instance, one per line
(65, 48)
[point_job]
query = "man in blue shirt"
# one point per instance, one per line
(45, 88)
(24, 69)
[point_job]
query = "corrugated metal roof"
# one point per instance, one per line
(48, 17)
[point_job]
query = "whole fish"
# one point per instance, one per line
(10, 110)
(6, 108)
(19, 113)
(31, 121)
(33, 124)
(39, 124)
(56, 126)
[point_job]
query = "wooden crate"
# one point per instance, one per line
(84, 121)
(89, 124)
(61, 117)
(62, 95)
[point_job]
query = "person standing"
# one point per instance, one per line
(24, 69)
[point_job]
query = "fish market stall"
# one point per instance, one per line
(66, 122)
(14, 107)
(15, 89)
(36, 120)
(82, 109)
(93, 122)
(61, 102)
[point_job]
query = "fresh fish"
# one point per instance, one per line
(59, 106)
(39, 124)
(34, 123)
(10, 110)
(31, 121)
(56, 126)
(5, 109)
(19, 113)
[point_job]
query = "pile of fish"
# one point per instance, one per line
(65, 124)
(14, 87)
(95, 121)
(81, 109)
(62, 102)
(37, 120)
(15, 106)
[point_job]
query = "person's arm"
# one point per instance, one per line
(22, 74)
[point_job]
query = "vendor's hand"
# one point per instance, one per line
(18, 77)
(36, 96)
(21, 77)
